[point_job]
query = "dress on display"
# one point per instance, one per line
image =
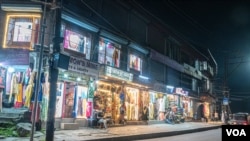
(29, 90)
(13, 87)
(19, 96)
(45, 99)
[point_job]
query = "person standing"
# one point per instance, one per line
(145, 114)
(122, 113)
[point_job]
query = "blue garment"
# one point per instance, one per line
(40, 93)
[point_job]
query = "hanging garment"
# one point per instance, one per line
(19, 96)
(44, 106)
(1, 100)
(13, 87)
(45, 97)
(29, 90)
(28, 93)
(151, 111)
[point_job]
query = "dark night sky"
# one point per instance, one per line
(223, 26)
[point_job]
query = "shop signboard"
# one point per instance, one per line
(73, 77)
(83, 66)
(225, 101)
(116, 73)
(180, 91)
(14, 57)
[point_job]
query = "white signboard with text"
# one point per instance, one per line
(83, 66)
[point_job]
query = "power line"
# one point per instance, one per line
(190, 19)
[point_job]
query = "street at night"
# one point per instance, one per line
(123, 69)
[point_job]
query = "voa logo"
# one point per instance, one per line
(236, 132)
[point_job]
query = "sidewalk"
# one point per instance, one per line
(124, 133)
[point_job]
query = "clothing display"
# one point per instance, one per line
(19, 96)
(1, 99)
(29, 90)
(45, 97)
(13, 87)
(59, 99)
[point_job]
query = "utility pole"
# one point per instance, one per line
(225, 87)
(54, 74)
(38, 76)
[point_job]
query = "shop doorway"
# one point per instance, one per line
(68, 103)
(200, 112)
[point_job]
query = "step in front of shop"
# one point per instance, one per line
(156, 121)
(136, 123)
(69, 126)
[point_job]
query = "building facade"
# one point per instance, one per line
(135, 60)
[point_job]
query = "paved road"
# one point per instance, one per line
(210, 135)
(129, 132)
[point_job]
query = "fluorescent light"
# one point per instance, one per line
(78, 79)
(170, 87)
(10, 69)
(21, 8)
(143, 77)
(65, 75)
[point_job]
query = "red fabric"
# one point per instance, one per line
(89, 109)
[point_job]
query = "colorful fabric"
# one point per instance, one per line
(13, 87)
(44, 110)
(28, 94)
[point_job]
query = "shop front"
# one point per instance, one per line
(209, 105)
(182, 102)
(71, 95)
(114, 88)
(157, 102)
(160, 100)
(17, 76)
(75, 89)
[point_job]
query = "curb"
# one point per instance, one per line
(155, 135)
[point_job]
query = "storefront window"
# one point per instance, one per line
(81, 101)
(135, 62)
(59, 99)
(108, 98)
(157, 105)
(79, 41)
(132, 105)
(21, 31)
(109, 53)
(69, 95)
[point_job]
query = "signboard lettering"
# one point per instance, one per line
(113, 72)
(83, 66)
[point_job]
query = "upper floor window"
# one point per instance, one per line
(135, 62)
(79, 41)
(21, 30)
(109, 53)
